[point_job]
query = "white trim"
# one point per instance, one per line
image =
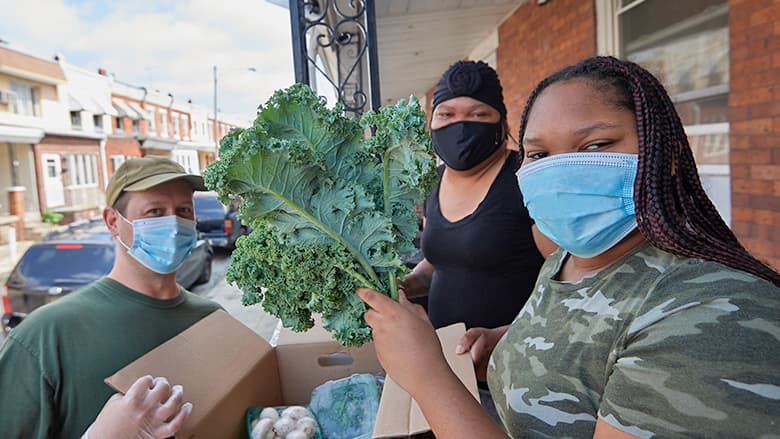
(13, 134)
(158, 143)
(195, 146)
(714, 169)
(607, 38)
(84, 134)
(707, 128)
(701, 93)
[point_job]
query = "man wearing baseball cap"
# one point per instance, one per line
(62, 352)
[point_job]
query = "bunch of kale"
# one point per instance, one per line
(331, 208)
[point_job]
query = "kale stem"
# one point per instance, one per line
(389, 211)
(393, 287)
(362, 279)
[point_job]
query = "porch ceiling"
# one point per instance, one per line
(418, 39)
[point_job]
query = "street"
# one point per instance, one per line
(218, 290)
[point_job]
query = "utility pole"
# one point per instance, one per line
(216, 118)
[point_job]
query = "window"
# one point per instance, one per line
(82, 169)
(97, 121)
(75, 120)
(120, 124)
(26, 103)
(185, 126)
(175, 122)
(187, 159)
(136, 126)
(152, 115)
(687, 48)
(163, 123)
(116, 161)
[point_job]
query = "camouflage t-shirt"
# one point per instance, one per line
(655, 345)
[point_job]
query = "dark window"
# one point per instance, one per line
(75, 119)
(98, 122)
(208, 206)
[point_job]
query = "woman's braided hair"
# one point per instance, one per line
(672, 210)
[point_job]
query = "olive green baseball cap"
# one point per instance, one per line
(142, 173)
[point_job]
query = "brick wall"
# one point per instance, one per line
(537, 40)
(126, 146)
(754, 115)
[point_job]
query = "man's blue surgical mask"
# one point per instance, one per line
(162, 243)
(584, 202)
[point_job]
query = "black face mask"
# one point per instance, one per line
(464, 145)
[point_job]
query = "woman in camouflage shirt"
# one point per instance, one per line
(651, 320)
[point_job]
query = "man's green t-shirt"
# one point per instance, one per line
(52, 366)
(655, 345)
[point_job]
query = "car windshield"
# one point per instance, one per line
(209, 206)
(62, 264)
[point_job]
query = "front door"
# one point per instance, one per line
(52, 180)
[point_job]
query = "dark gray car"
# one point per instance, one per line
(217, 222)
(67, 260)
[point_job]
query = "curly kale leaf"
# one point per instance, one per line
(331, 210)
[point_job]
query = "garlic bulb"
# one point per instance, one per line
(270, 413)
(295, 412)
(284, 425)
(263, 429)
(307, 425)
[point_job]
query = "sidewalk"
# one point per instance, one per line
(7, 262)
(254, 317)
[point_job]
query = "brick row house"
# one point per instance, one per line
(718, 59)
(65, 130)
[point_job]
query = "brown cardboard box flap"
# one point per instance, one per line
(214, 358)
(399, 415)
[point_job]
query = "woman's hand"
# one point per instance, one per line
(405, 341)
(418, 282)
(480, 342)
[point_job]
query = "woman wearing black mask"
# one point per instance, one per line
(481, 260)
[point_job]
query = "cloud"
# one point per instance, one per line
(168, 45)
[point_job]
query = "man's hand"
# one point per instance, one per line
(151, 409)
(480, 342)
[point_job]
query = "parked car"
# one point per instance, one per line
(217, 222)
(71, 258)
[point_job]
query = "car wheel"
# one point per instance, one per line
(205, 275)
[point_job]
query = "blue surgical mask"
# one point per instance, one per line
(584, 202)
(162, 243)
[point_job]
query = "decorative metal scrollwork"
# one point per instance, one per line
(342, 34)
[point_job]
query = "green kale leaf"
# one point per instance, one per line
(331, 209)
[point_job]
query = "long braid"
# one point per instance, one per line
(672, 210)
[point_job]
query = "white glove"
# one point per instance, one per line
(151, 409)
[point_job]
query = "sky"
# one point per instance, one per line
(165, 45)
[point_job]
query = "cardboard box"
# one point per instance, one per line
(226, 368)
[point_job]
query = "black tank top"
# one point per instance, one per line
(485, 265)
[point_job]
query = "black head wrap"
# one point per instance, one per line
(474, 79)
